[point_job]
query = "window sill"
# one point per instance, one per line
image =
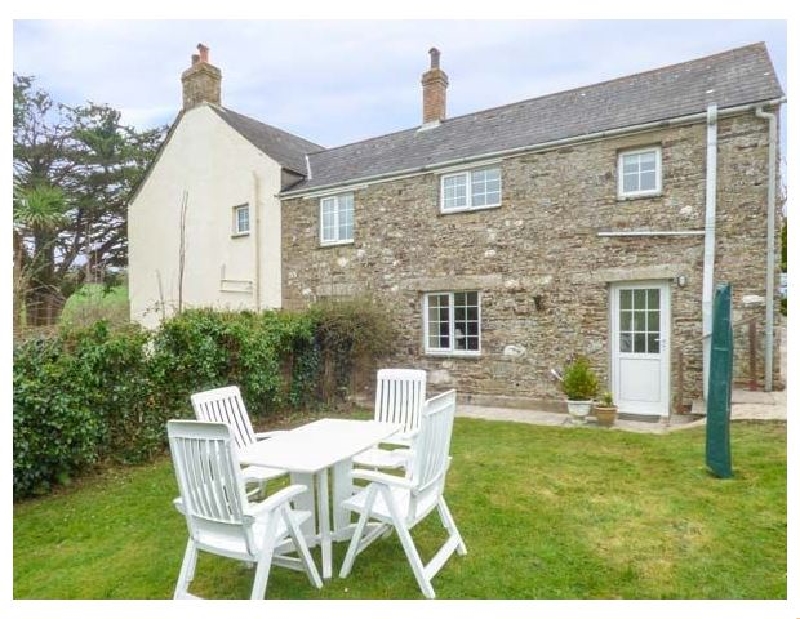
(639, 196)
(239, 235)
(324, 244)
(468, 209)
(454, 354)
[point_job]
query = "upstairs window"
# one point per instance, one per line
(639, 172)
(452, 323)
(474, 189)
(336, 219)
(241, 219)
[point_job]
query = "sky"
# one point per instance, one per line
(335, 82)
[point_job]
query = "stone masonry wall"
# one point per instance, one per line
(542, 270)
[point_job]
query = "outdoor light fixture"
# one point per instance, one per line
(681, 280)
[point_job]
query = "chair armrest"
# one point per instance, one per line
(260, 436)
(178, 504)
(381, 478)
(275, 500)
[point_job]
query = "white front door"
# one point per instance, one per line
(640, 347)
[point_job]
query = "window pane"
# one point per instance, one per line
(647, 161)
(647, 181)
(478, 199)
(638, 342)
(653, 343)
(652, 321)
(472, 298)
(638, 321)
(625, 342)
(492, 198)
(630, 165)
(639, 299)
(625, 320)
(653, 298)
(492, 175)
(625, 299)
(455, 191)
(346, 224)
(630, 182)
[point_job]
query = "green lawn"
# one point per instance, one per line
(546, 513)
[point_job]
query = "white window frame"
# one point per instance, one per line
(621, 193)
(451, 351)
(235, 225)
(469, 206)
(337, 240)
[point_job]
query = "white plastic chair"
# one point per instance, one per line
(402, 502)
(225, 405)
(399, 397)
(218, 515)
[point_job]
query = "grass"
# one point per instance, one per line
(546, 513)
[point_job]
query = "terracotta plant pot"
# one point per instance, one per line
(605, 415)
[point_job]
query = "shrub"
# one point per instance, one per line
(100, 392)
(580, 380)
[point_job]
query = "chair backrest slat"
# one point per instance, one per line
(399, 396)
(432, 447)
(207, 471)
(225, 405)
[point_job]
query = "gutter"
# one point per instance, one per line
(710, 239)
(770, 291)
(586, 137)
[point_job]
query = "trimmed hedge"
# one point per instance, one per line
(94, 394)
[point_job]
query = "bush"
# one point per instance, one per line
(72, 395)
(580, 380)
(90, 394)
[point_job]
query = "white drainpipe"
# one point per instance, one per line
(711, 227)
(770, 300)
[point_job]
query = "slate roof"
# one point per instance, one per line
(287, 149)
(737, 77)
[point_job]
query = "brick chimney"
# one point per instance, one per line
(202, 81)
(434, 85)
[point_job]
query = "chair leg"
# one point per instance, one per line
(362, 522)
(265, 559)
(187, 570)
(302, 548)
(450, 525)
(408, 546)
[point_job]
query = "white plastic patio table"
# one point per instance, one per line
(311, 450)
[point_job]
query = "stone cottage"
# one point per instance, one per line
(593, 221)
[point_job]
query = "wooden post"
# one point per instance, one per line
(751, 328)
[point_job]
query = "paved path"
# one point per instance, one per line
(746, 405)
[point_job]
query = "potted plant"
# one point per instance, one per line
(580, 386)
(605, 411)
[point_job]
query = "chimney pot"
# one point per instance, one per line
(434, 57)
(203, 49)
(195, 59)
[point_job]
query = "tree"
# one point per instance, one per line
(74, 170)
(783, 248)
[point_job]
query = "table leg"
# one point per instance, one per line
(342, 490)
(305, 502)
(323, 518)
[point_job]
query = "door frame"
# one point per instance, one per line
(666, 332)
